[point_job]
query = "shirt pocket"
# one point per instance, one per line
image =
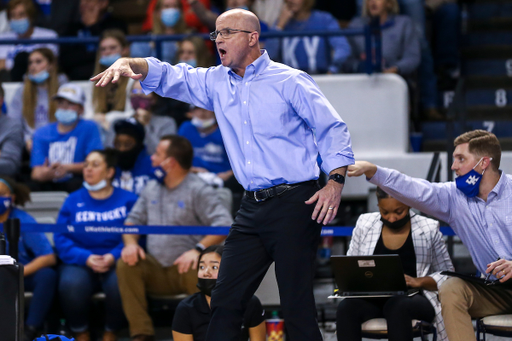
(270, 120)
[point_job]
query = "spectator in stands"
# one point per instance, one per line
(14, 58)
(133, 169)
(89, 259)
(155, 126)
(11, 142)
(58, 15)
(400, 43)
(476, 206)
(211, 161)
(192, 315)
(111, 102)
(179, 197)
(314, 55)
(78, 61)
(34, 252)
(59, 149)
(32, 104)
(193, 51)
(191, 20)
(208, 17)
(417, 240)
(167, 19)
(268, 10)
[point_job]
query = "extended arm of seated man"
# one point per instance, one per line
(189, 259)
(132, 250)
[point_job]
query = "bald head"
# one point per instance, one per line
(246, 19)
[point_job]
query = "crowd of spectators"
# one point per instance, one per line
(47, 142)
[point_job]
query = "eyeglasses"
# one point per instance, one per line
(225, 33)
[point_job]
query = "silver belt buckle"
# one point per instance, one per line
(256, 198)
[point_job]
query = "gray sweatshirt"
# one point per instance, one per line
(192, 203)
(11, 145)
(400, 44)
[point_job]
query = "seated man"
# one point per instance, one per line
(477, 206)
(59, 149)
(209, 153)
(11, 143)
(134, 164)
(178, 197)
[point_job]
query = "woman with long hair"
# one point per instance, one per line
(167, 19)
(32, 102)
(111, 102)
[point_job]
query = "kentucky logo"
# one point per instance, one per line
(71, 228)
(472, 180)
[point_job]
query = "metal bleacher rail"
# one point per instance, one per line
(372, 31)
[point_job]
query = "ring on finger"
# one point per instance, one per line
(331, 208)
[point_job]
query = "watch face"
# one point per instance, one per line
(338, 178)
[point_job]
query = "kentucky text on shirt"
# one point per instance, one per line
(86, 216)
(63, 151)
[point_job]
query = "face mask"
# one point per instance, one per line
(100, 185)
(20, 26)
(170, 16)
(66, 116)
(469, 184)
(206, 285)
(398, 224)
(159, 174)
(191, 62)
(110, 59)
(40, 77)
(239, 7)
(202, 124)
(127, 159)
(139, 102)
(5, 204)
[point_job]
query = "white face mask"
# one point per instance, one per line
(99, 186)
(202, 124)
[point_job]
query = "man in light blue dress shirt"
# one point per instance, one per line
(478, 206)
(274, 122)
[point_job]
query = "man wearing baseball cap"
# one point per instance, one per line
(60, 148)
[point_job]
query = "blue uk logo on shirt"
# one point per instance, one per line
(181, 204)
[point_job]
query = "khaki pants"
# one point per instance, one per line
(462, 300)
(149, 277)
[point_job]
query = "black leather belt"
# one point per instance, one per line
(267, 193)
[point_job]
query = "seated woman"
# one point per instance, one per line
(34, 252)
(192, 315)
(423, 253)
(32, 104)
(89, 259)
(167, 19)
(111, 102)
(22, 17)
(315, 55)
(400, 44)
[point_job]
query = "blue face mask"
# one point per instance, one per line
(191, 62)
(20, 26)
(170, 16)
(110, 59)
(100, 185)
(5, 204)
(239, 7)
(66, 116)
(159, 174)
(469, 183)
(40, 77)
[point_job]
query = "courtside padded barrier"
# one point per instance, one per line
(335, 231)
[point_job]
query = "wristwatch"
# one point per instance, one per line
(338, 178)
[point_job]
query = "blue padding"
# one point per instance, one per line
(335, 231)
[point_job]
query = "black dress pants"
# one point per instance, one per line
(279, 229)
(399, 311)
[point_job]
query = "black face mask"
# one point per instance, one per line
(126, 160)
(396, 225)
(206, 285)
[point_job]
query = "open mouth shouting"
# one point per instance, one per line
(222, 52)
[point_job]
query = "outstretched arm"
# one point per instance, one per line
(135, 68)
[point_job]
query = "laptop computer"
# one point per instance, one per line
(369, 276)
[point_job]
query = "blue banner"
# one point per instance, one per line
(335, 231)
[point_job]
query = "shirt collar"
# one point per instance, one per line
(257, 66)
